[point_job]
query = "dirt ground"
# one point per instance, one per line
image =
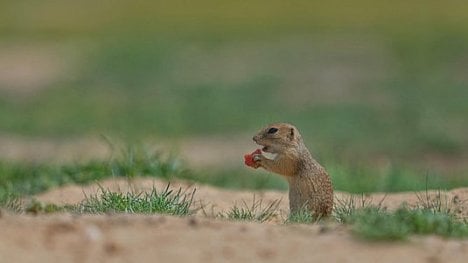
(203, 238)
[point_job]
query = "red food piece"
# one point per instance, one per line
(248, 159)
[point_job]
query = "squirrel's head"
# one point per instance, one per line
(278, 137)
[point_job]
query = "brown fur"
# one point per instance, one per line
(310, 186)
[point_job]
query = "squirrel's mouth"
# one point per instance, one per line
(269, 152)
(267, 149)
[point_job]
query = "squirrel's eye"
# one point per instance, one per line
(272, 130)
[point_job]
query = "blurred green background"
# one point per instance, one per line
(369, 84)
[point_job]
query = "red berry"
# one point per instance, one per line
(248, 158)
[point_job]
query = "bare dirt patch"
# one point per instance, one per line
(123, 238)
(201, 238)
(26, 69)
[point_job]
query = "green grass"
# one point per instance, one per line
(256, 211)
(430, 216)
(167, 201)
(376, 224)
(302, 217)
(361, 178)
(28, 178)
(11, 202)
(31, 178)
(36, 207)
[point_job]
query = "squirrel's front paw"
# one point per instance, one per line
(257, 158)
(249, 159)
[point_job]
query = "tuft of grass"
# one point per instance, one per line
(11, 202)
(376, 224)
(373, 222)
(253, 212)
(37, 207)
(167, 201)
(439, 203)
(302, 217)
(346, 207)
(429, 216)
(436, 203)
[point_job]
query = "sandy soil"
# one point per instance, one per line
(28, 68)
(202, 238)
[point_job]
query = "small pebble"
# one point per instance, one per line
(192, 221)
(93, 233)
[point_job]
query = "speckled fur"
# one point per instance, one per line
(310, 186)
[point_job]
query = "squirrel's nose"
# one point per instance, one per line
(255, 138)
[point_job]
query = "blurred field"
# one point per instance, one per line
(374, 88)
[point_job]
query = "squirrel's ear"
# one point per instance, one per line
(291, 134)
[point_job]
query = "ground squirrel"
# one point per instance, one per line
(310, 186)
